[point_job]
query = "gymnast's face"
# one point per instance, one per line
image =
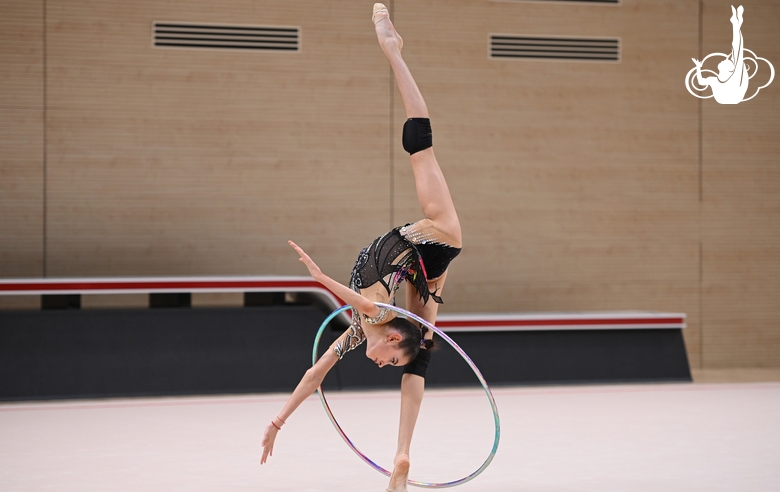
(384, 351)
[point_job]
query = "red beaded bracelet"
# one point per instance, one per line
(277, 427)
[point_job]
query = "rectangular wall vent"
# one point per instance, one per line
(180, 35)
(554, 48)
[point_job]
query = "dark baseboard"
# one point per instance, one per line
(61, 354)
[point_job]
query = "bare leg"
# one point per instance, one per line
(437, 206)
(736, 33)
(432, 191)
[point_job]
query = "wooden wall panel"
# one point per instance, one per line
(576, 182)
(579, 184)
(741, 214)
(21, 141)
(172, 161)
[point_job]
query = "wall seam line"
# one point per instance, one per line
(701, 202)
(45, 140)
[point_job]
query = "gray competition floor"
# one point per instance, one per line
(686, 437)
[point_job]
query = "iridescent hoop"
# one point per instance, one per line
(429, 485)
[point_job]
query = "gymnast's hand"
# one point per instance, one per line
(314, 270)
(268, 442)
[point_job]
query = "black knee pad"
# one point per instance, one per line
(417, 135)
(420, 363)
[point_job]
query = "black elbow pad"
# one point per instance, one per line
(420, 363)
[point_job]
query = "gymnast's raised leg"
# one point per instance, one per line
(441, 221)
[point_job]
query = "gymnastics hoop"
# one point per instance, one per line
(428, 485)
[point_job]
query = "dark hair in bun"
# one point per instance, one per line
(412, 338)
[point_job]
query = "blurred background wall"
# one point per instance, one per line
(580, 185)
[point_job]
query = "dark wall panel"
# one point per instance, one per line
(104, 353)
(48, 354)
(542, 357)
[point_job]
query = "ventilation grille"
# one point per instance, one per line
(176, 35)
(507, 46)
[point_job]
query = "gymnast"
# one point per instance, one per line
(417, 253)
(731, 84)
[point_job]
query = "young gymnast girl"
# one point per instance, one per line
(417, 253)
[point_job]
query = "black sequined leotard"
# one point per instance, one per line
(416, 253)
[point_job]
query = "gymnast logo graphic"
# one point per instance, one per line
(730, 84)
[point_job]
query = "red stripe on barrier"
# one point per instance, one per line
(282, 284)
(556, 322)
(151, 285)
(163, 284)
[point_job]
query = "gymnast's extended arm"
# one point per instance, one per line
(704, 82)
(309, 383)
(354, 299)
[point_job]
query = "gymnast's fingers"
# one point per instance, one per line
(306, 260)
(269, 436)
(298, 250)
(264, 458)
(268, 450)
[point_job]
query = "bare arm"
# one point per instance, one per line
(362, 304)
(309, 383)
(412, 389)
(701, 80)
